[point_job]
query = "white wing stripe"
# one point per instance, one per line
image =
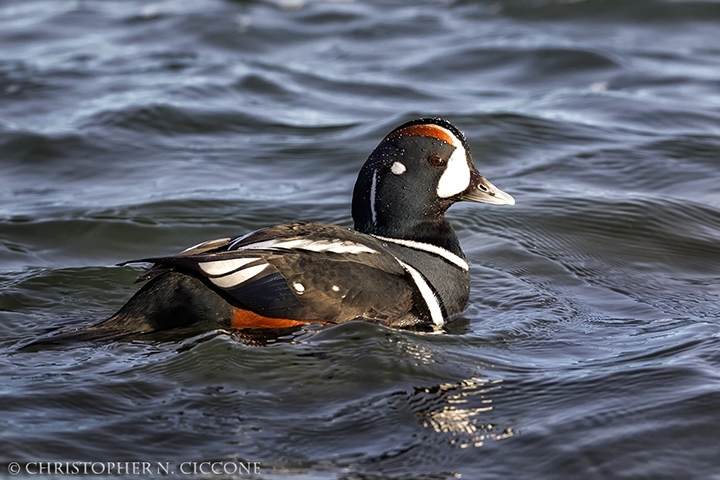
(238, 240)
(221, 267)
(427, 247)
(238, 277)
(428, 295)
(209, 244)
(334, 246)
(338, 247)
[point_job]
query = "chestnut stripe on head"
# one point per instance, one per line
(425, 130)
(456, 177)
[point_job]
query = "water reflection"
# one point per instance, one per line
(462, 411)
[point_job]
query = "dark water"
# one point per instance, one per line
(591, 348)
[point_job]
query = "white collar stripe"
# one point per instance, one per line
(427, 293)
(428, 247)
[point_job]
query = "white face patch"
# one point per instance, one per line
(398, 168)
(299, 287)
(456, 178)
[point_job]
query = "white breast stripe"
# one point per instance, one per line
(427, 294)
(334, 246)
(428, 247)
(221, 267)
(235, 279)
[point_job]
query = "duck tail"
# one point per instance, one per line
(170, 300)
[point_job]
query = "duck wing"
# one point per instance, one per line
(300, 271)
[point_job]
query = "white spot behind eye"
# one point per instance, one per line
(398, 168)
(456, 177)
(299, 287)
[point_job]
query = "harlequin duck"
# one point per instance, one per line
(401, 266)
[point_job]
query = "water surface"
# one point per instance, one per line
(591, 345)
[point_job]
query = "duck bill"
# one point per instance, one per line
(482, 191)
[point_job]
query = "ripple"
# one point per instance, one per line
(596, 239)
(590, 345)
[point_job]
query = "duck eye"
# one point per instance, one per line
(437, 161)
(482, 187)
